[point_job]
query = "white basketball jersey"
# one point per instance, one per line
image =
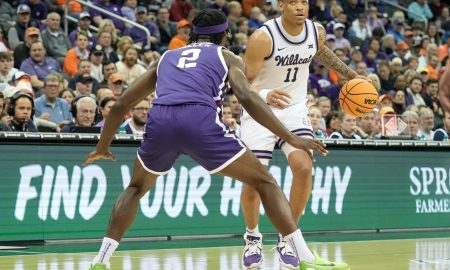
(287, 67)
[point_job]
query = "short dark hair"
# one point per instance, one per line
(209, 17)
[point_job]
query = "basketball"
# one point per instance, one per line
(358, 97)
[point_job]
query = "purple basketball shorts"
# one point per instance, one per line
(191, 129)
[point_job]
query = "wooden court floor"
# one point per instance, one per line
(402, 254)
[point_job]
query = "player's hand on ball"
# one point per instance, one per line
(94, 156)
(309, 144)
(278, 98)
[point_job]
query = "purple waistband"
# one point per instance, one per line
(218, 28)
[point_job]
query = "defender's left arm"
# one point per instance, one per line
(330, 60)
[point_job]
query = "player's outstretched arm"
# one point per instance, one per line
(141, 87)
(444, 87)
(259, 110)
(330, 60)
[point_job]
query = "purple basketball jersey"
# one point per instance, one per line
(198, 76)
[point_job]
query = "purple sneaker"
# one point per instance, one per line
(287, 256)
(252, 256)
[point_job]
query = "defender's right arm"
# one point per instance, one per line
(444, 88)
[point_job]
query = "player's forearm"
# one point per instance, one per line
(262, 113)
(330, 60)
(444, 97)
(112, 123)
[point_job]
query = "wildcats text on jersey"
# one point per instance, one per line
(292, 59)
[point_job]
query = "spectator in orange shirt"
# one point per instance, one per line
(182, 38)
(77, 53)
(443, 49)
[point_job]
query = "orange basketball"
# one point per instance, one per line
(358, 97)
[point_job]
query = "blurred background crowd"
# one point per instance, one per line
(60, 75)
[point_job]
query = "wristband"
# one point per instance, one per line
(263, 94)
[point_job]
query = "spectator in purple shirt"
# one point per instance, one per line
(113, 8)
(138, 35)
(129, 9)
(38, 65)
(84, 22)
(318, 79)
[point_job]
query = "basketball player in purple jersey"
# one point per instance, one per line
(191, 82)
(277, 60)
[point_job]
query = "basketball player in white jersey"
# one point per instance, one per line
(277, 61)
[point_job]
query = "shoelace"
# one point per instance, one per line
(253, 247)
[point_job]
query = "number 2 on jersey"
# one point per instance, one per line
(188, 58)
(288, 76)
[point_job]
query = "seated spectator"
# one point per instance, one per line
(361, 69)
(124, 42)
(365, 125)
(138, 35)
(447, 122)
(77, 53)
(116, 82)
(21, 81)
(84, 67)
(129, 67)
(373, 21)
(98, 17)
(219, 5)
(340, 42)
(67, 95)
(105, 106)
(148, 56)
(411, 119)
(255, 20)
(38, 65)
(84, 22)
(38, 10)
(324, 104)
(103, 93)
(167, 30)
(396, 29)
(359, 29)
(426, 124)
(108, 26)
(84, 111)
(415, 89)
(105, 40)
(386, 80)
(21, 110)
(182, 38)
(108, 69)
(3, 126)
(96, 57)
(83, 86)
(370, 61)
(318, 79)
(228, 120)
(7, 12)
(179, 10)
(347, 128)
(242, 26)
(396, 67)
(235, 106)
(418, 8)
(16, 33)
(333, 123)
(49, 106)
(315, 115)
(22, 51)
(6, 69)
(138, 117)
(129, 9)
(55, 40)
(399, 102)
(431, 98)
(375, 81)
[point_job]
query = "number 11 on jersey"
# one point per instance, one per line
(288, 75)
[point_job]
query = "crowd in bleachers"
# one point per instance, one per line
(52, 80)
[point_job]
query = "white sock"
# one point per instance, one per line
(254, 231)
(299, 246)
(106, 250)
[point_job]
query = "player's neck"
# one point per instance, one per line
(291, 29)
